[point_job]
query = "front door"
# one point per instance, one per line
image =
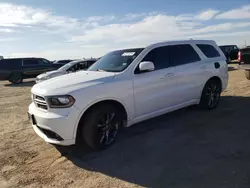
(155, 90)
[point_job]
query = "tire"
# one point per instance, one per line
(210, 97)
(16, 78)
(95, 131)
(247, 73)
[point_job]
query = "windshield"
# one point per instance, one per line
(116, 61)
(67, 66)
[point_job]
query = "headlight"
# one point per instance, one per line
(65, 101)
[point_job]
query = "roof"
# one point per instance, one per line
(23, 58)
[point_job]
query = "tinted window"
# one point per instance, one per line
(89, 63)
(3, 64)
(44, 61)
(9, 63)
(208, 50)
(159, 56)
(28, 62)
(183, 54)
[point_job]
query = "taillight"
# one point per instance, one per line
(239, 57)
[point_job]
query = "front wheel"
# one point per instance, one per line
(99, 128)
(211, 95)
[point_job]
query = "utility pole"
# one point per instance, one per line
(245, 43)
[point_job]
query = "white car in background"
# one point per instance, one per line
(70, 67)
(126, 87)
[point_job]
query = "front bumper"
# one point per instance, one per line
(48, 124)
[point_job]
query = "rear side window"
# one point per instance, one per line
(183, 54)
(4, 64)
(9, 63)
(208, 50)
(30, 62)
(159, 56)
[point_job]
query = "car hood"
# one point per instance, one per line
(50, 74)
(68, 83)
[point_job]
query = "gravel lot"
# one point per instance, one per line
(187, 148)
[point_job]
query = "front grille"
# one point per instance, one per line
(40, 102)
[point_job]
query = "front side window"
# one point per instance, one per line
(183, 54)
(67, 67)
(30, 62)
(208, 50)
(116, 61)
(44, 61)
(159, 56)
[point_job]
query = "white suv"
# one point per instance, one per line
(125, 87)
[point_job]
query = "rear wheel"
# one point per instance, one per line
(16, 78)
(211, 95)
(247, 73)
(99, 128)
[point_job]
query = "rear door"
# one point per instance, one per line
(31, 67)
(189, 72)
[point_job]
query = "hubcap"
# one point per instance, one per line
(108, 128)
(213, 95)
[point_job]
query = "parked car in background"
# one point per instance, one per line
(230, 51)
(244, 61)
(125, 87)
(65, 61)
(70, 67)
(16, 69)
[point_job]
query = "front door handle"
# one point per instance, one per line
(168, 75)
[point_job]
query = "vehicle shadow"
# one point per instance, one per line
(186, 148)
(232, 69)
(24, 84)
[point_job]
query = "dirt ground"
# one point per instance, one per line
(189, 148)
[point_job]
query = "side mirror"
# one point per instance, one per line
(146, 66)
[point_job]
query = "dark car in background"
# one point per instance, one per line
(64, 61)
(230, 51)
(16, 69)
(244, 61)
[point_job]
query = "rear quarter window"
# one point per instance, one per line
(9, 63)
(208, 50)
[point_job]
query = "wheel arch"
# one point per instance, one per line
(216, 78)
(116, 102)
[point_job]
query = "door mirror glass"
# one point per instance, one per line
(146, 66)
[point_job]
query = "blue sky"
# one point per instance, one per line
(58, 29)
